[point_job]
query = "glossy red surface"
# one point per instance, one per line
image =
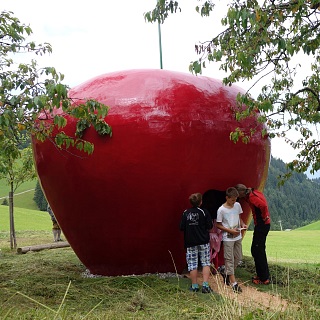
(120, 207)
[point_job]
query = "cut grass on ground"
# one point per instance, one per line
(52, 284)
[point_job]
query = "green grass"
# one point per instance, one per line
(311, 226)
(295, 246)
(50, 284)
(25, 219)
(23, 196)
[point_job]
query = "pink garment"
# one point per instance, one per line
(215, 241)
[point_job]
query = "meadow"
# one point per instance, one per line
(54, 284)
(300, 246)
(23, 196)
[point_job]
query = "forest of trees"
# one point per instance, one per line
(295, 203)
(39, 198)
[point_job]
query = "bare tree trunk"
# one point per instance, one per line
(13, 241)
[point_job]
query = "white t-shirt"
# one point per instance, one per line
(230, 218)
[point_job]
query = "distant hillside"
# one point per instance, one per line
(310, 227)
(296, 203)
(25, 219)
(317, 180)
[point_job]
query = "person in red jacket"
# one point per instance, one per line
(261, 218)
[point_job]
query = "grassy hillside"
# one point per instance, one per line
(293, 203)
(23, 197)
(25, 219)
(289, 246)
(311, 226)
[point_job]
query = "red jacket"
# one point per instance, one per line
(259, 207)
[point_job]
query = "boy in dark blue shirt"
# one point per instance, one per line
(196, 223)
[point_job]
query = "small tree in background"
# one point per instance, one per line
(39, 198)
(27, 90)
(16, 167)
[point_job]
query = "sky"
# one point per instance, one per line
(90, 38)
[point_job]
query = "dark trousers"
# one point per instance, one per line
(258, 251)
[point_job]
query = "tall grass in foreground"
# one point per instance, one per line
(53, 284)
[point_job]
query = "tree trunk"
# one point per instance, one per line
(40, 247)
(13, 242)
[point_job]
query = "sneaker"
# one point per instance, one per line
(255, 278)
(236, 288)
(206, 289)
(193, 289)
(258, 281)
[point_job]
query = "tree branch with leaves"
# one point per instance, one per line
(262, 42)
(27, 91)
(30, 95)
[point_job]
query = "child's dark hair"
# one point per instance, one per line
(195, 199)
(232, 192)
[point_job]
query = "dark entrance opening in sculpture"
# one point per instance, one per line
(212, 200)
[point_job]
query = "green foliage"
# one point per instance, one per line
(27, 92)
(5, 202)
(160, 13)
(39, 198)
(266, 40)
(16, 166)
(293, 203)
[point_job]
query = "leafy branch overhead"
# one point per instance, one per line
(27, 91)
(275, 44)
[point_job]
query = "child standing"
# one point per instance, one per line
(196, 223)
(230, 222)
(55, 226)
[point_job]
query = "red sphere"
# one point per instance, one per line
(120, 207)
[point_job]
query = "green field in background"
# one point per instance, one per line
(23, 196)
(296, 246)
(25, 219)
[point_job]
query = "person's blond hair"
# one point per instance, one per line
(241, 187)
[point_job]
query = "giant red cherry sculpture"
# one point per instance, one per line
(120, 207)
